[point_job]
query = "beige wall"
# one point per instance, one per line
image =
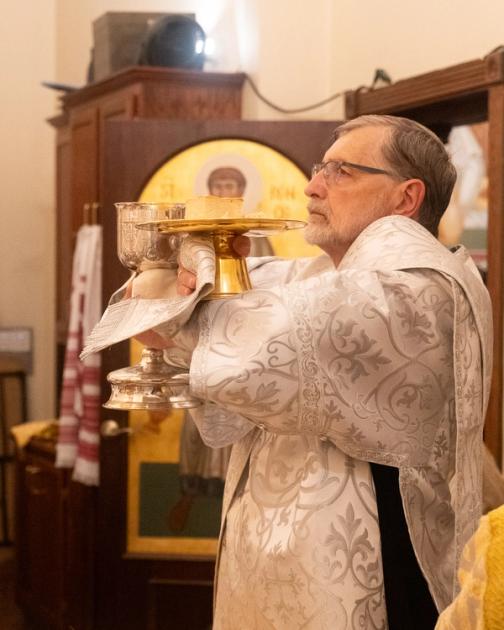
(27, 37)
(297, 52)
(263, 38)
(301, 52)
(408, 37)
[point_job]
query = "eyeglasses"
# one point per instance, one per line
(332, 169)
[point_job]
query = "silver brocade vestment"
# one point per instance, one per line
(316, 372)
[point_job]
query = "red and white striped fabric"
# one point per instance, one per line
(79, 437)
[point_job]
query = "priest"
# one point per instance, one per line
(353, 389)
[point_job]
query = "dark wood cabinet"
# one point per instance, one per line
(41, 512)
(134, 93)
(54, 541)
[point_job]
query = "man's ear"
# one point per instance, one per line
(411, 194)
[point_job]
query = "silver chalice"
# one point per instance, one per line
(151, 384)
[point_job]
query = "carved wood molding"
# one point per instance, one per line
(430, 88)
(144, 74)
(495, 239)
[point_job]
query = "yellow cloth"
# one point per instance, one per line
(22, 433)
(494, 594)
(480, 603)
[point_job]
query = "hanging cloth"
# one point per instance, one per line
(78, 435)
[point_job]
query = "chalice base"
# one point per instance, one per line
(150, 385)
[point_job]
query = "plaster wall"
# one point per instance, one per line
(27, 36)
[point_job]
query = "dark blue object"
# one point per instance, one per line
(175, 41)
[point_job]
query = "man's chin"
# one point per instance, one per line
(318, 234)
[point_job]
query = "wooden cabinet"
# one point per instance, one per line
(134, 93)
(54, 541)
(41, 509)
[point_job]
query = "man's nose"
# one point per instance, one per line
(316, 187)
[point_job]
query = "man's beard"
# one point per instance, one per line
(328, 236)
(320, 234)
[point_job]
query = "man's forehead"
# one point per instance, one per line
(363, 142)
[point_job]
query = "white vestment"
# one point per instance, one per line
(318, 371)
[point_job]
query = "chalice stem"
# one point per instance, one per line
(231, 273)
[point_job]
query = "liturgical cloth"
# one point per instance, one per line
(313, 374)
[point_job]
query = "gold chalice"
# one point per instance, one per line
(231, 274)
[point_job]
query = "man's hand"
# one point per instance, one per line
(149, 338)
(186, 280)
(152, 339)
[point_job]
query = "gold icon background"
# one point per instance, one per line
(275, 186)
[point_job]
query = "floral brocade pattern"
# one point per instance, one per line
(302, 548)
(386, 359)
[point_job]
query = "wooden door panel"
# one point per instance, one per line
(173, 606)
(122, 105)
(493, 426)
(40, 527)
(65, 227)
(84, 131)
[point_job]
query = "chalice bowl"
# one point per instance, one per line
(152, 384)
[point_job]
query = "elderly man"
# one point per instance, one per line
(353, 388)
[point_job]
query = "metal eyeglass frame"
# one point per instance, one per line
(323, 166)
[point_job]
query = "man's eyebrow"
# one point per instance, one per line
(325, 160)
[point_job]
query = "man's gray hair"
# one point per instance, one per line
(414, 152)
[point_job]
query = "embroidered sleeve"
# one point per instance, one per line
(357, 357)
